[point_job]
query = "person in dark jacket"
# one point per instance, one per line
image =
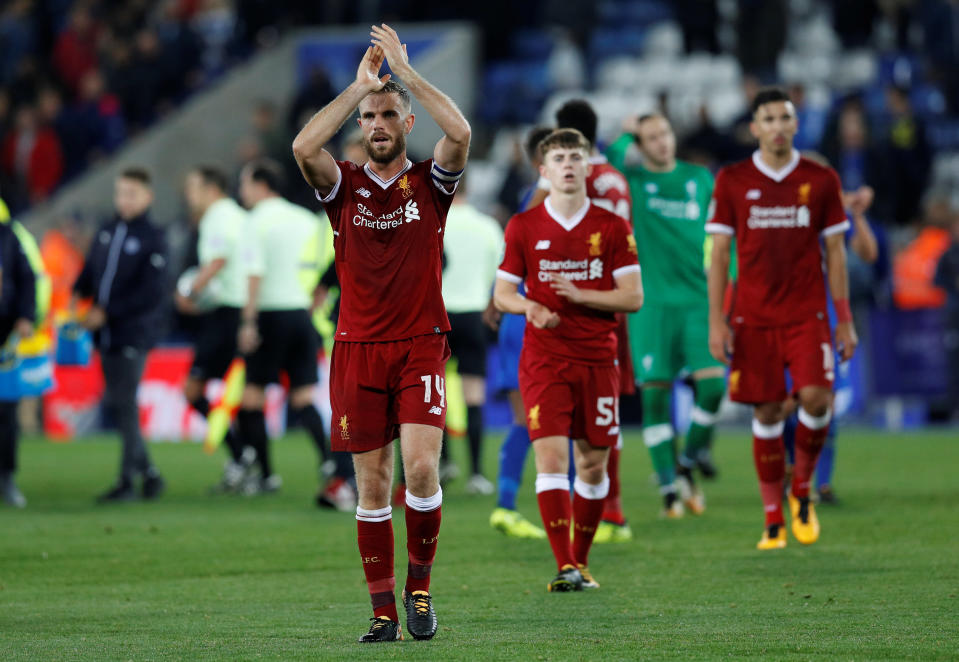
(124, 274)
(17, 311)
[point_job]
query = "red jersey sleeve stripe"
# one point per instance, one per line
(508, 277)
(719, 228)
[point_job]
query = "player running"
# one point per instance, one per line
(669, 335)
(779, 206)
(579, 264)
(389, 359)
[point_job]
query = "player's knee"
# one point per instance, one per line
(769, 413)
(815, 401)
(254, 397)
(301, 397)
(592, 471)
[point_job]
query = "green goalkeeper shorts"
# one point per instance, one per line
(666, 340)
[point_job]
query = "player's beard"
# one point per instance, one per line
(399, 146)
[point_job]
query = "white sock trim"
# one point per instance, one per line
(700, 416)
(657, 434)
(425, 504)
(814, 422)
(767, 431)
(380, 515)
(546, 482)
(592, 492)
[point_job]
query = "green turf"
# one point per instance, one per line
(196, 577)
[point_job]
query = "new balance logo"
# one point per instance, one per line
(436, 410)
(542, 245)
(362, 191)
(753, 194)
(411, 212)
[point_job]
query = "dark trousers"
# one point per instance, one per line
(122, 370)
(8, 437)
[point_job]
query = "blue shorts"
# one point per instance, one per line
(505, 375)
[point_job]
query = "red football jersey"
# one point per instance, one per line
(388, 243)
(590, 249)
(607, 188)
(777, 218)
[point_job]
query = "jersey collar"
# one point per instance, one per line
(382, 183)
(776, 175)
(567, 223)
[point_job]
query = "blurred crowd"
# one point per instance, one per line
(79, 77)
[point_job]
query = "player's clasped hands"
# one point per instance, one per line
(388, 42)
(541, 317)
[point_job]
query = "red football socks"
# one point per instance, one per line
(811, 432)
(375, 536)
(556, 511)
(770, 457)
(613, 504)
(587, 511)
(423, 517)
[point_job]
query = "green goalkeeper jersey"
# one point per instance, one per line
(669, 219)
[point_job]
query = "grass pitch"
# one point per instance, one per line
(198, 577)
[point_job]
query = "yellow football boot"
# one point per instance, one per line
(805, 524)
(775, 541)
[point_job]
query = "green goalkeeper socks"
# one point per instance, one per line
(658, 433)
(709, 394)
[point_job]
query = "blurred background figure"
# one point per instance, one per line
(473, 245)
(124, 274)
(220, 284)
(17, 316)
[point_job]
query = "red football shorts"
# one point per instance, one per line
(377, 386)
(564, 398)
(761, 355)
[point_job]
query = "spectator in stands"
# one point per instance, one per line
(847, 144)
(124, 274)
(812, 120)
(698, 19)
(761, 34)
(16, 35)
(75, 51)
(32, 157)
(315, 94)
(92, 126)
(914, 268)
(941, 42)
(215, 24)
(947, 277)
(907, 157)
(853, 21)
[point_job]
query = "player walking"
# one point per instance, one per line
(779, 206)
(388, 364)
(579, 265)
(669, 335)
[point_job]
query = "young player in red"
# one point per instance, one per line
(388, 364)
(579, 265)
(781, 209)
(606, 187)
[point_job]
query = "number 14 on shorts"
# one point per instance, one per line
(440, 388)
